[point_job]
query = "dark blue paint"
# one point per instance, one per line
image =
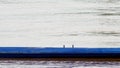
(32, 52)
(57, 50)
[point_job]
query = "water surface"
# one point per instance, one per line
(58, 64)
(53, 23)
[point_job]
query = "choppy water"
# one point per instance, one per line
(53, 23)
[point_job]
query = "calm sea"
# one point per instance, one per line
(53, 23)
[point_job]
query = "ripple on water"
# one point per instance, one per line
(57, 64)
(104, 33)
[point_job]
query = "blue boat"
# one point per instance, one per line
(35, 52)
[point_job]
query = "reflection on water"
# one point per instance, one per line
(110, 14)
(105, 33)
(58, 64)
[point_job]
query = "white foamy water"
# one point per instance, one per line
(53, 23)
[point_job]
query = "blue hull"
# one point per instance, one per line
(31, 52)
